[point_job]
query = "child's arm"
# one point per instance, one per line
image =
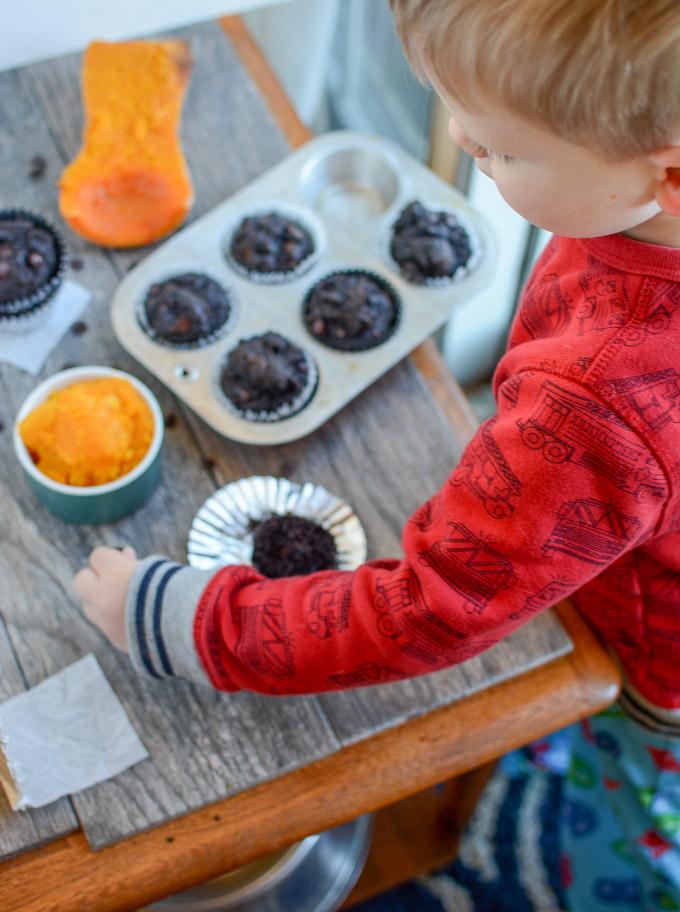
(546, 496)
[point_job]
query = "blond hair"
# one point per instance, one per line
(601, 73)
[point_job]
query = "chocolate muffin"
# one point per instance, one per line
(267, 377)
(428, 245)
(351, 311)
(292, 546)
(32, 262)
(270, 244)
(186, 309)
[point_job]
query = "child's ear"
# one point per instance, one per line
(667, 178)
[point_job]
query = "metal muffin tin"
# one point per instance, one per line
(350, 188)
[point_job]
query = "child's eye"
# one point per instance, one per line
(498, 156)
(484, 152)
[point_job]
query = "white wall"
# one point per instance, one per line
(35, 29)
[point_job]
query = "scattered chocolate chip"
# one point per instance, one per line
(37, 167)
(79, 328)
(171, 421)
(170, 839)
(216, 817)
(209, 463)
(77, 264)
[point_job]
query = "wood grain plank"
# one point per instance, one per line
(386, 453)
(203, 745)
(20, 830)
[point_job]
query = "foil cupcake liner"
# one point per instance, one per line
(229, 323)
(358, 345)
(22, 314)
(302, 217)
(287, 410)
(221, 532)
(460, 273)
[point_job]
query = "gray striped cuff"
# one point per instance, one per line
(159, 619)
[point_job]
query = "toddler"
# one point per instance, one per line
(573, 489)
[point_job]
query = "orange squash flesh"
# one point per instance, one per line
(129, 184)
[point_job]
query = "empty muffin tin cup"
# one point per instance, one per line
(221, 532)
(301, 216)
(351, 186)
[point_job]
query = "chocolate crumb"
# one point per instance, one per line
(77, 264)
(171, 421)
(209, 463)
(37, 167)
(79, 328)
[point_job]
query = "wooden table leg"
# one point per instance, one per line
(419, 834)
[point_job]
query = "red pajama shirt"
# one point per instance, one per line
(570, 490)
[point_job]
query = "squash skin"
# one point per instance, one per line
(129, 184)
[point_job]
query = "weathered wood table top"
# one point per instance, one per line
(293, 765)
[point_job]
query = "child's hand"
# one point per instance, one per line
(103, 586)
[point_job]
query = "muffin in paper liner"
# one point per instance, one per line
(221, 532)
(357, 344)
(460, 273)
(181, 273)
(300, 217)
(286, 409)
(25, 313)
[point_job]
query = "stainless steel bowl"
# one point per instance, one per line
(314, 875)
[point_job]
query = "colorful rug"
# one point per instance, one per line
(509, 856)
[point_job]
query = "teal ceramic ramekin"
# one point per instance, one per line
(96, 503)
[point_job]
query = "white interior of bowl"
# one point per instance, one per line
(67, 378)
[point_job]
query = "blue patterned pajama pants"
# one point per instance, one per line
(621, 823)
